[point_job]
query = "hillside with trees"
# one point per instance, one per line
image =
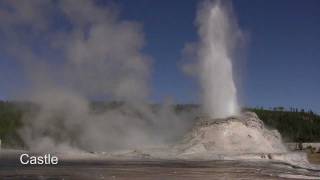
(10, 121)
(294, 125)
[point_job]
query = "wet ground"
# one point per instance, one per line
(10, 168)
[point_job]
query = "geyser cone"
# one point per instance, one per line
(240, 134)
(217, 32)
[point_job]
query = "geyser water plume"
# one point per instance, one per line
(218, 33)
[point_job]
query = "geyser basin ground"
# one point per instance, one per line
(215, 148)
(84, 166)
(242, 137)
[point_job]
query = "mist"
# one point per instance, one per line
(212, 58)
(72, 52)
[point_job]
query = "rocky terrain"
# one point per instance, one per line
(245, 133)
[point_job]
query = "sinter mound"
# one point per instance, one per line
(245, 133)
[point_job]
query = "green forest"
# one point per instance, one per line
(10, 121)
(295, 125)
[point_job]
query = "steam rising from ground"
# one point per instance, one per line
(73, 51)
(218, 33)
(94, 54)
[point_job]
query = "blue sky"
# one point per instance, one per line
(281, 60)
(282, 57)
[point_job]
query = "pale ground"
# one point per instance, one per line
(100, 168)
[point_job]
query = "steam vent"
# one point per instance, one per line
(241, 134)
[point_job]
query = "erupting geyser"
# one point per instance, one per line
(218, 33)
(225, 130)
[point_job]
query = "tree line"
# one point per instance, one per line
(295, 125)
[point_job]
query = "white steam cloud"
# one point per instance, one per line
(73, 51)
(218, 33)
